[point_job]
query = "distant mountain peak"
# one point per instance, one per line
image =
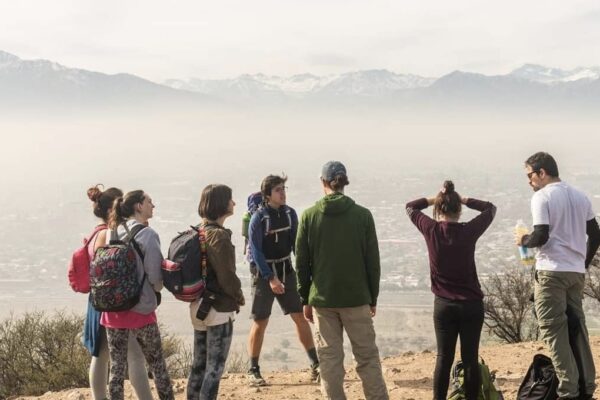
(548, 75)
(6, 58)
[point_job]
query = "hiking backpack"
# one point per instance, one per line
(540, 382)
(487, 389)
(78, 271)
(185, 269)
(113, 274)
(255, 204)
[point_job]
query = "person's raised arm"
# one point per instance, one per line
(419, 219)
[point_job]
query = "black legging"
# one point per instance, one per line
(452, 318)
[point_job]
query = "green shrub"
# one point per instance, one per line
(40, 353)
(178, 355)
(237, 362)
(508, 309)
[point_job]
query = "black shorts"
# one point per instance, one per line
(263, 296)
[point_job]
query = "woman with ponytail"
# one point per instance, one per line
(130, 214)
(94, 334)
(458, 304)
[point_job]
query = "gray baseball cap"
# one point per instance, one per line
(331, 169)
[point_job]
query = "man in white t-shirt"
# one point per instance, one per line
(567, 236)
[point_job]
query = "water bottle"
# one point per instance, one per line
(525, 253)
(246, 223)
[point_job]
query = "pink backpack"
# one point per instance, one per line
(79, 266)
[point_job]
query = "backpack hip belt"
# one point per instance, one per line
(273, 262)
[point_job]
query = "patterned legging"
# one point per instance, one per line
(149, 339)
(211, 348)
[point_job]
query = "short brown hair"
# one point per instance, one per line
(339, 183)
(267, 185)
(214, 201)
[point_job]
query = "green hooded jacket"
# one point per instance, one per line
(337, 255)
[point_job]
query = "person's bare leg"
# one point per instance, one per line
(255, 342)
(303, 330)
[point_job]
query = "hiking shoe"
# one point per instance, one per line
(315, 373)
(255, 377)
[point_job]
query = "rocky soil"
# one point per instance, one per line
(408, 376)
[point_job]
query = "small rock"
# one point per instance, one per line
(76, 395)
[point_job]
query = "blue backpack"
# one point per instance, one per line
(256, 204)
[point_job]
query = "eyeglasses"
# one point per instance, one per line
(530, 174)
(280, 189)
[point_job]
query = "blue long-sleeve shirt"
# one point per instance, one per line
(259, 241)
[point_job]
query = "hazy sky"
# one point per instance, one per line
(218, 39)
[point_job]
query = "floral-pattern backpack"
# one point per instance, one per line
(113, 274)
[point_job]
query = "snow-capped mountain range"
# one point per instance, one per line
(370, 83)
(361, 83)
(41, 81)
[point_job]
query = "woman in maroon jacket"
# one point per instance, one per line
(458, 305)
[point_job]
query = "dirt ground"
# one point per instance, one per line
(408, 376)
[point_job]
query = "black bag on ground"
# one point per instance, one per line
(540, 382)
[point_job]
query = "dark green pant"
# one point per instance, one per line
(554, 292)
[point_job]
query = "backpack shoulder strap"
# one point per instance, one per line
(131, 233)
(97, 229)
(203, 252)
(288, 212)
(265, 219)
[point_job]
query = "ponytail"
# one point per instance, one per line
(116, 216)
(124, 208)
(447, 202)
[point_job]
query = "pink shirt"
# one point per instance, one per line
(127, 319)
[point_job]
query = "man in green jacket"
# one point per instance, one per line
(337, 263)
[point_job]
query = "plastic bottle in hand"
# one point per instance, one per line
(526, 254)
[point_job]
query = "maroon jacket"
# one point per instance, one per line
(451, 247)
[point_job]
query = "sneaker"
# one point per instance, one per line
(315, 373)
(255, 377)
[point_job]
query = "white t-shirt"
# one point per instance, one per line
(213, 318)
(566, 210)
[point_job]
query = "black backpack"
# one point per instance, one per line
(540, 382)
(184, 272)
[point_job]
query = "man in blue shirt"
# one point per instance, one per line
(272, 234)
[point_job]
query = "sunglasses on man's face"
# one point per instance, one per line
(530, 174)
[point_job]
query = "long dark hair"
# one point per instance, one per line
(103, 200)
(447, 202)
(124, 207)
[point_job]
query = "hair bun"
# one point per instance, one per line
(94, 193)
(448, 187)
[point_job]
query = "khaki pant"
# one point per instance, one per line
(358, 323)
(554, 293)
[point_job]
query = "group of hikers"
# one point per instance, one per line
(335, 284)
